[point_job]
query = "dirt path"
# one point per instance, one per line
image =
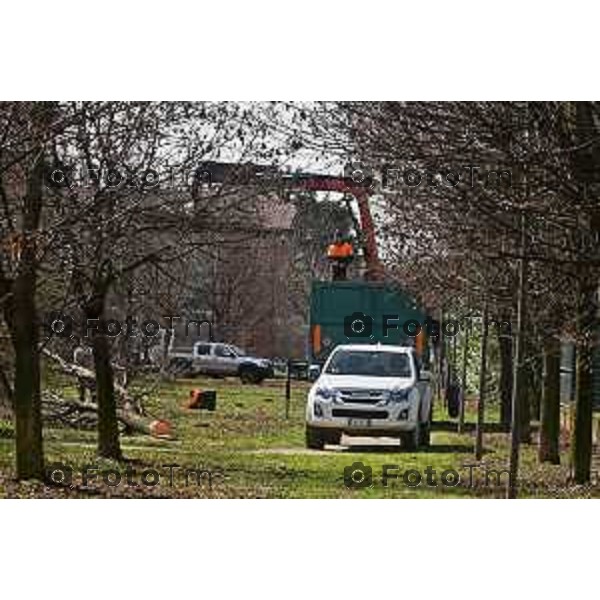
(349, 444)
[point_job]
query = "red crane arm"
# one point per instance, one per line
(327, 183)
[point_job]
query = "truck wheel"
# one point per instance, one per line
(314, 438)
(425, 437)
(334, 438)
(410, 440)
(249, 375)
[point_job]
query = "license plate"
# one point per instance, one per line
(359, 422)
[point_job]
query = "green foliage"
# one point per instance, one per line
(7, 429)
(474, 359)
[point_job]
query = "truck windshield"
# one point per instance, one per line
(375, 364)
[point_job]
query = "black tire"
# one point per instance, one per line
(250, 375)
(425, 434)
(334, 437)
(314, 438)
(411, 439)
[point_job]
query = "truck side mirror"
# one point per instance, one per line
(313, 372)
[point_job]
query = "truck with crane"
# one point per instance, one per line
(367, 343)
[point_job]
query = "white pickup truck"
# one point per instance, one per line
(370, 390)
(220, 360)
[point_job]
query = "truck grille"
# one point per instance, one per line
(359, 414)
(362, 396)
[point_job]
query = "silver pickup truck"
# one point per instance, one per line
(220, 360)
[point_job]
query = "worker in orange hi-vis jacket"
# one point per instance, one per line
(341, 254)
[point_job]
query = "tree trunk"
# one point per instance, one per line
(525, 377)
(108, 423)
(27, 401)
(582, 432)
(550, 410)
(518, 398)
(465, 359)
(536, 384)
(21, 317)
(534, 376)
(482, 385)
(586, 164)
(506, 375)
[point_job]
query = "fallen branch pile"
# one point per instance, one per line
(75, 413)
(84, 414)
(87, 378)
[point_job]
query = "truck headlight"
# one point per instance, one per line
(399, 395)
(317, 409)
(326, 393)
